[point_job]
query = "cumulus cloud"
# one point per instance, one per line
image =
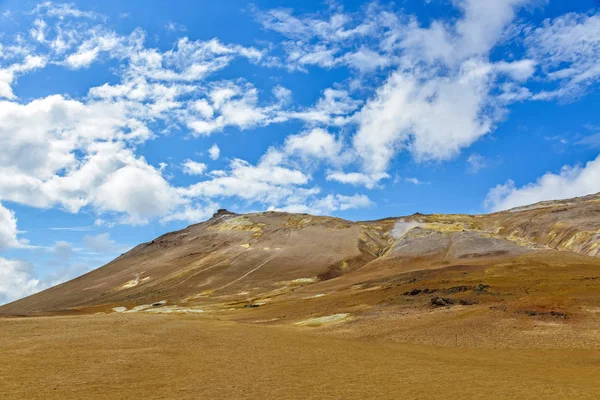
(357, 178)
(191, 167)
(230, 104)
(9, 74)
(8, 228)
(17, 280)
(265, 182)
(89, 50)
(316, 143)
(326, 205)
(214, 152)
(335, 107)
(137, 190)
(192, 213)
(571, 181)
(433, 117)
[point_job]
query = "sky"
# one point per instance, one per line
(121, 121)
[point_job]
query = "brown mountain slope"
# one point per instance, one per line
(534, 269)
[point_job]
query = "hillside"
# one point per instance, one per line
(507, 304)
(538, 265)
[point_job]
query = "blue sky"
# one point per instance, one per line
(120, 121)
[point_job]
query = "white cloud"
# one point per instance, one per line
(333, 39)
(63, 251)
(568, 48)
(193, 213)
(189, 60)
(344, 203)
(91, 49)
(137, 190)
(442, 93)
(433, 118)
(72, 228)
(441, 98)
(366, 60)
(193, 168)
(8, 228)
(476, 163)
(357, 178)
(66, 272)
(9, 74)
(282, 94)
(62, 11)
(333, 108)
(316, 144)
(230, 104)
(41, 138)
(214, 152)
(327, 205)
(572, 181)
(101, 243)
(17, 280)
(415, 181)
(264, 182)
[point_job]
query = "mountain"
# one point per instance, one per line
(535, 263)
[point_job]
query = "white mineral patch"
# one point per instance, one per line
(120, 309)
(174, 310)
(139, 308)
(325, 320)
(260, 321)
(316, 296)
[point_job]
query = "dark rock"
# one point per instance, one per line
(442, 302)
(221, 212)
(251, 305)
(558, 314)
(481, 287)
(459, 289)
(555, 314)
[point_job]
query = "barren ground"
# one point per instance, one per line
(121, 356)
(282, 306)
